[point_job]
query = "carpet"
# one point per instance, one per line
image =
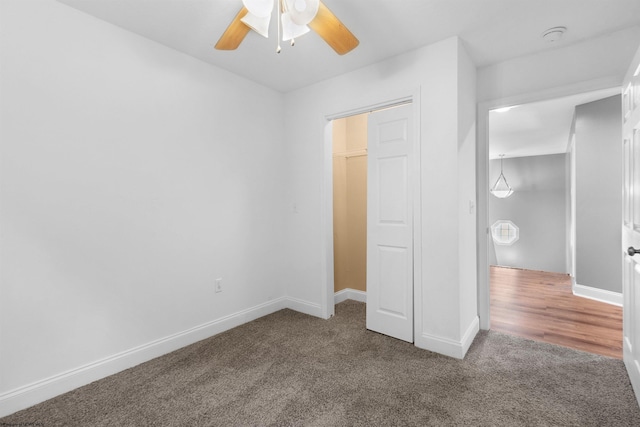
(290, 369)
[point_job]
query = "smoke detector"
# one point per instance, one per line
(554, 34)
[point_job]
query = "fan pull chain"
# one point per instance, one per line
(293, 40)
(279, 6)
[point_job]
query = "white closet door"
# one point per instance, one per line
(390, 223)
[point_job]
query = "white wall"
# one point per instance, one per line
(132, 176)
(604, 58)
(598, 151)
(467, 199)
(538, 206)
(444, 77)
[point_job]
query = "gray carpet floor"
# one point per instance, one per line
(290, 369)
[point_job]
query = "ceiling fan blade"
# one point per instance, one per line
(235, 32)
(332, 31)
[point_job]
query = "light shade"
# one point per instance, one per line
(259, 24)
(291, 30)
(259, 8)
(302, 11)
(502, 194)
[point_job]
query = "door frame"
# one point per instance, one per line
(327, 300)
(482, 171)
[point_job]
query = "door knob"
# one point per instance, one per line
(632, 251)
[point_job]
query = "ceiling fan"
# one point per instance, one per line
(295, 18)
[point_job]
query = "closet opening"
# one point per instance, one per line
(350, 208)
(374, 169)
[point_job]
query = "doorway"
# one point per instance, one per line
(374, 168)
(532, 232)
(483, 180)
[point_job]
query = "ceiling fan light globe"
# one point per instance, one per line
(291, 30)
(302, 11)
(258, 24)
(260, 8)
(300, 5)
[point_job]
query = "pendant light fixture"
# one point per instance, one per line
(501, 189)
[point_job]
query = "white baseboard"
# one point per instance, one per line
(349, 293)
(449, 347)
(613, 298)
(39, 391)
(303, 306)
(470, 335)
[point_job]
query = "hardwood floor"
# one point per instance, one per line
(540, 306)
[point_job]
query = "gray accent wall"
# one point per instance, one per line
(598, 136)
(538, 207)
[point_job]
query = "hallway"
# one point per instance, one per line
(539, 305)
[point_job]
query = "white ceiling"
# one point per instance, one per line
(492, 30)
(537, 128)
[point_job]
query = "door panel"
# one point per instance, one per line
(634, 329)
(390, 223)
(626, 177)
(628, 296)
(631, 225)
(392, 185)
(392, 269)
(635, 161)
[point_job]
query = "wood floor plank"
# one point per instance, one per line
(540, 305)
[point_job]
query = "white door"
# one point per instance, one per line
(390, 223)
(631, 223)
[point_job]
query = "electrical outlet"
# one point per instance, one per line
(218, 285)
